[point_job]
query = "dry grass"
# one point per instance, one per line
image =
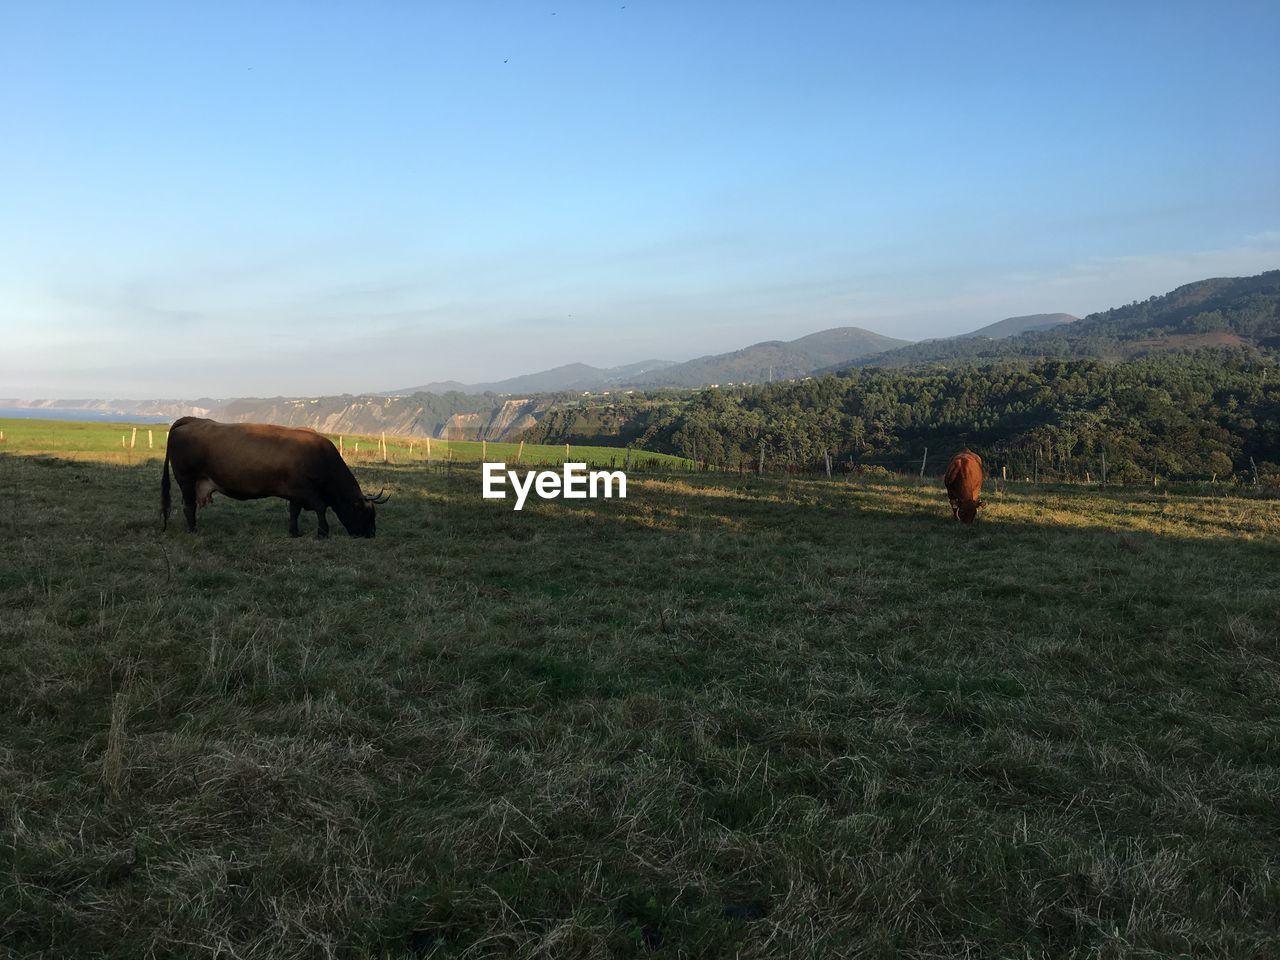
(721, 718)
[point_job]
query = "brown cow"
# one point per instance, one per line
(249, 461)
(964, 483)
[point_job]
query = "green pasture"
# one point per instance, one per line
(124, 443)
(724, 717)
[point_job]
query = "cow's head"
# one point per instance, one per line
(966, 510)
(363, 519)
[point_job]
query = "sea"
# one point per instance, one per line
(75, 413)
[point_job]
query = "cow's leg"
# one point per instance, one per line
(322, 525)
(295, 508)
(188, 489)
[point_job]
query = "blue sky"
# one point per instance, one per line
(261, 199)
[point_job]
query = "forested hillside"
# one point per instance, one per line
(1220, 312)
(1193, 414)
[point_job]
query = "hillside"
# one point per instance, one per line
(571, 376)
(1225, 311)
(774, 359)
(758, 363)
(1012, 326)
(1204, 414)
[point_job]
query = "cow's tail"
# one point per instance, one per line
(164, 491)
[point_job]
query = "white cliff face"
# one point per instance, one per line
(401, 416)
(500, 423)
(412, 416)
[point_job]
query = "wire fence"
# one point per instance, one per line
(1017, 465)
(1024, 464)
(1005, 466)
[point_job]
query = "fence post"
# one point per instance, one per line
(149, 443)
(341, 450)
(428, 448)
(520, 453)
(1154, 464)
(484, 449)
(1255, 471)
(133, 439)
(922, 463)
(826, 456)
(384, 446)
(1104, 469)
(760, 469)
(566, 453)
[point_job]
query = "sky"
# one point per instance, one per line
(247, 199)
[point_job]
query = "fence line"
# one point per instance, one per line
(1030, 464)
(1002, 466)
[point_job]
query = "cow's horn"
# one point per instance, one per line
(378, 497)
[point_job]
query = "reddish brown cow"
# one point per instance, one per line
(249, 461)
(964, 483)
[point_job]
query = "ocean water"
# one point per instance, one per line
(74, 413)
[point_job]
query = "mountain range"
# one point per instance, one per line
(758, 363)
(1219, 312)
(571, 376)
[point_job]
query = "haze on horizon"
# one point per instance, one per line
(297, 199)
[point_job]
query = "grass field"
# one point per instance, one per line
(127, 444)
(720, 718)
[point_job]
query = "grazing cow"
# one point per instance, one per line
(964, 483)
(248, 461)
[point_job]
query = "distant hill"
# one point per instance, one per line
(1000, 330)
(1013, 326)
(758, 363)
(773, 359)
(1223, 311)
(571, 376)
